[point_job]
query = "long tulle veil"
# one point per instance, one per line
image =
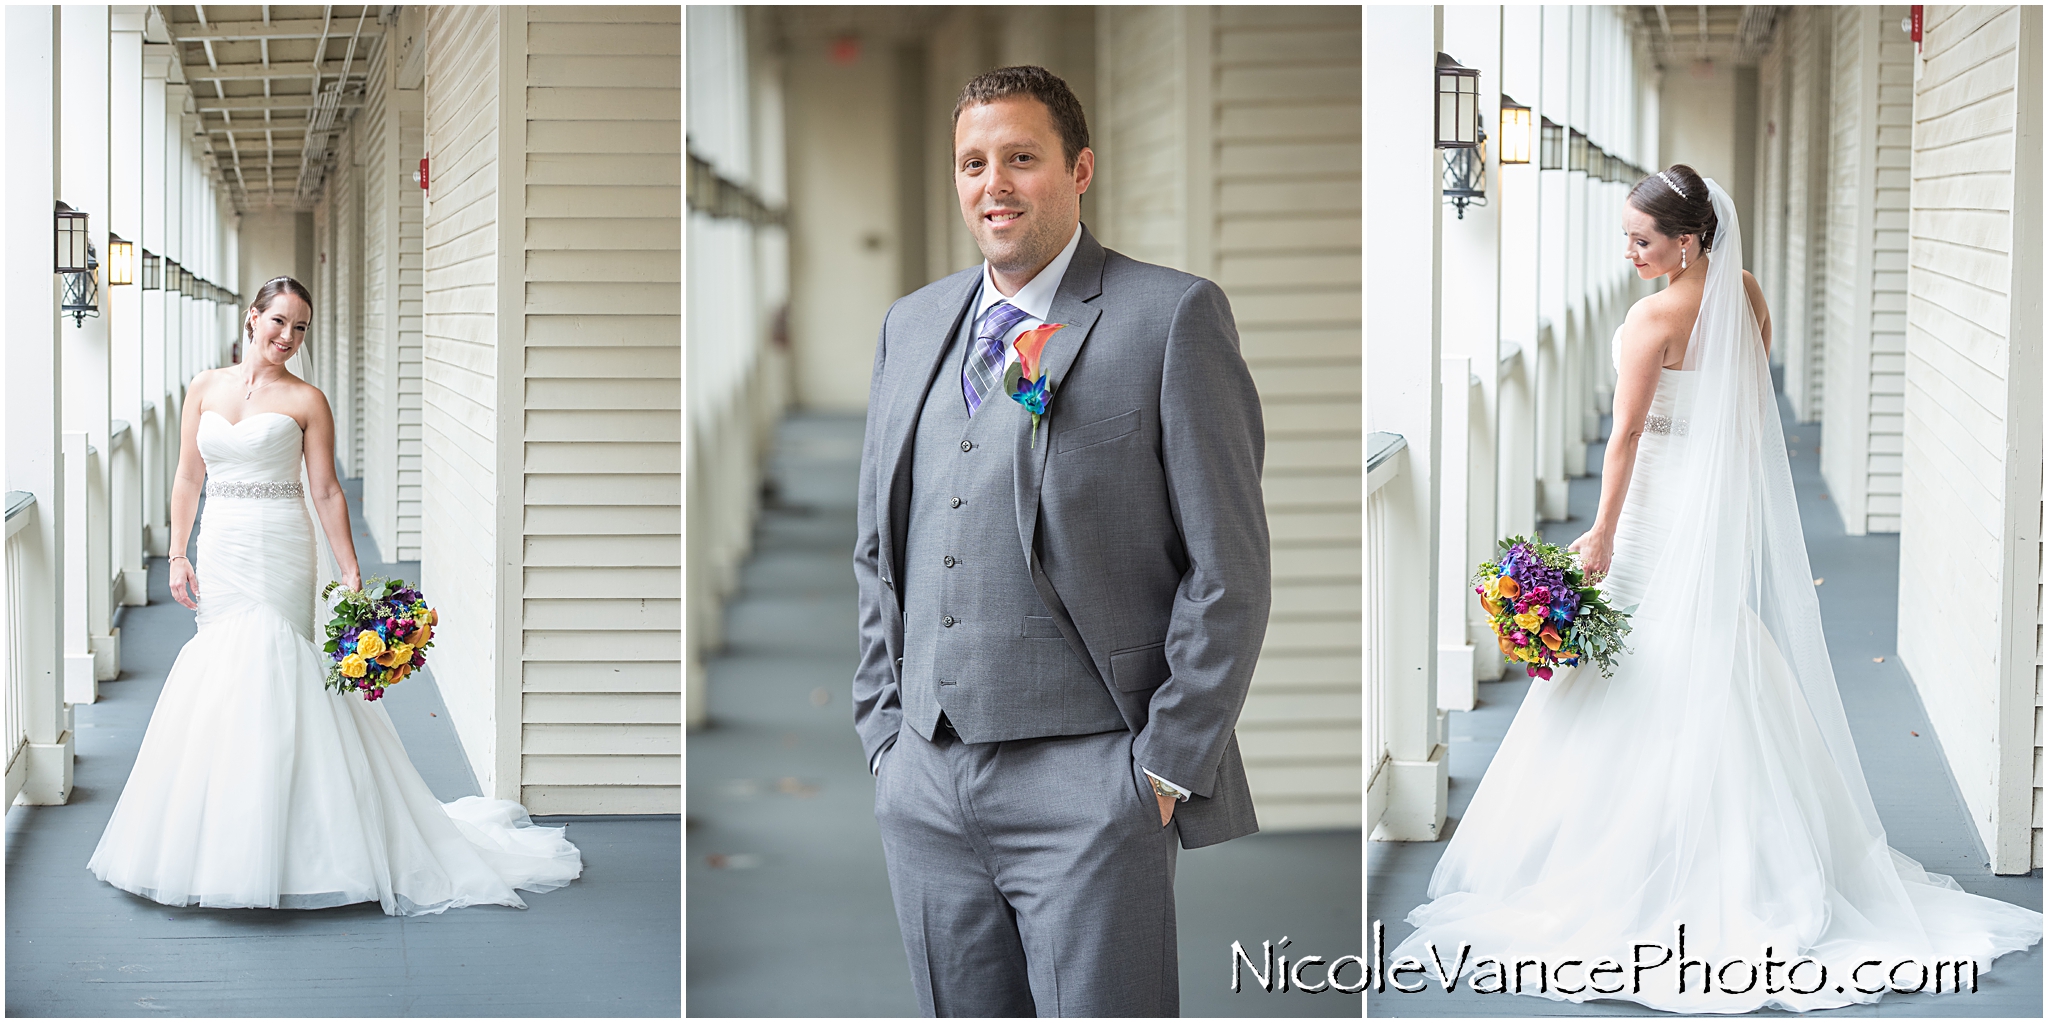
(1733, 592)
(324, 567)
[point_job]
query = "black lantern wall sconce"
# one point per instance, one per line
(1516, 131)
(1465, 174)
(120, 260)
(1553, 146)
(1577, 153)
(152, 271)
(78, 263)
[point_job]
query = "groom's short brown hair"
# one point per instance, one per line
(1039, 84)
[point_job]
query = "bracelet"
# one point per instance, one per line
(181, 557)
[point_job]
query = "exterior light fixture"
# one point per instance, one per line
(1516, 131)
(1553, 145)
(1577, 153)
(152, 271)
(1465, 174)
(71, 240)
(173, 276)
(1596, 163)
(1457, 104)
(120, 260)
(82, 290)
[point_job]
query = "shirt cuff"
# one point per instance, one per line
(1167, 788)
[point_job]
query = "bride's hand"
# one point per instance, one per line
(353, 579)
(1596, 553)
(182, 580)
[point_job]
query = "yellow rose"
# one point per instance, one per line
(353, 666)
(400, 653)
(428, 616)
(369, 644)
(1528, 621)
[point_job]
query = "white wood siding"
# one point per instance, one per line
(1972, 421)
(1288, 253)
(460, 386)
(1870, 134)
(1230, 149)
(602, 546)
(380, 368)
(391, 125)
(1803, 322)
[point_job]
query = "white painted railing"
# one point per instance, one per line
(1384, 458)
(21, 513)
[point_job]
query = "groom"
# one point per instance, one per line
(1059, 612)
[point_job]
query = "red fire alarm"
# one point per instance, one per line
(421, 174)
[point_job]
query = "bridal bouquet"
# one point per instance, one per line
(379, 635)
(1543, 611)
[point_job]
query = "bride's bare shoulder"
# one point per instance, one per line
(1656, 317)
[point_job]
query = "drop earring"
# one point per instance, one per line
(1681, 259)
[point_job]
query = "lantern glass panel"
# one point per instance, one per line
(1553, 145)
(152, 271)
(71, 228)
(1577, 152)
(1515, 132)
(1457, 110)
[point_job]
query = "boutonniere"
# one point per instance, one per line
(1025, 379)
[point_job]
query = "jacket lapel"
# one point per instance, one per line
(911, 375)
(1082, 284)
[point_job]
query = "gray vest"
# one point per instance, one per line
(978, 642)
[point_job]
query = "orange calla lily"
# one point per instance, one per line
(1031, 344)
(1509, 587)
(1487, 603)
(1550, 637)
(1507, 647)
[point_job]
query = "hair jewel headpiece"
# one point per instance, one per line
(1673, 184)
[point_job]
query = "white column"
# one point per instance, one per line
(1578, 306)
(1545, 363)
(124, 303)
(1471, 334)
(32, 347)
(88, 389)
(1521, 204)
(1402, 346)
(159, 455)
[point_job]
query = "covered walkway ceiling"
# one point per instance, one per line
(270, 83)
(1681, 36)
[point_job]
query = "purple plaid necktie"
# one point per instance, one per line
(984, 373)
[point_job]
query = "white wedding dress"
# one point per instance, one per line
(258, 787)
(1711, 780)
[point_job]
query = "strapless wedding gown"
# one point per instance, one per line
(256, 786)
(1571, 850)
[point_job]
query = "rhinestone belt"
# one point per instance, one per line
(287, 488)
(1654, 423)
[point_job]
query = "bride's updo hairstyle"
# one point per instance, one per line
(268, 293)
(1676, 198)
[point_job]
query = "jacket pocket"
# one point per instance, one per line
(1099, 431)
(1041, 627)
(1138, 668)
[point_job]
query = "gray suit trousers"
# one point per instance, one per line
(1031, 876)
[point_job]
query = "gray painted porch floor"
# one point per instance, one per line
(1916, 796)
(609, 944)
(789, 909)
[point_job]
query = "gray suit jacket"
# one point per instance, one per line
(1139, 512)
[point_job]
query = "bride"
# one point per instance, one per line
(256, 786)
(1711, 782)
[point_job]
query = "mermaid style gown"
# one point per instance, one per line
(256, 786)
(1574, 849)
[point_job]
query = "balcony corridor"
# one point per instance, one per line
(785, 862)
(1923, 813)
(607, 945)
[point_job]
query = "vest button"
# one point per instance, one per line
(947, 621)
(956, 502)
(949, 561)
(966, 445)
